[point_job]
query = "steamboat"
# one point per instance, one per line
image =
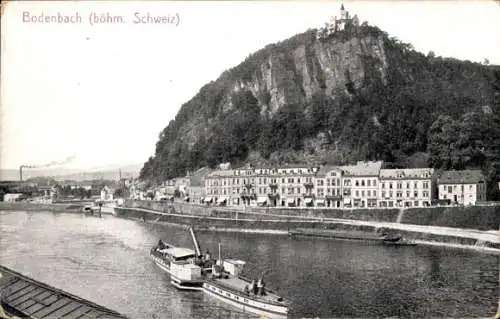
(221, 279)
(180, 264)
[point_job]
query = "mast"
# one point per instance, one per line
(195, 241)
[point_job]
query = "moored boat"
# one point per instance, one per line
(179, 263)
(226, 284)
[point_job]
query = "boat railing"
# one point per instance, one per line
(280, 301)
(268, 288)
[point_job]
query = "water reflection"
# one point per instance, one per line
(106, 260)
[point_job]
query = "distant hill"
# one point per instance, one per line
(108, 172)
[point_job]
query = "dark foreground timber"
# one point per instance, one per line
(23, 297)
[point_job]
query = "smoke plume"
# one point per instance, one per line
(53, 163)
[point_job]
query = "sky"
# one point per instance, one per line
(100, 94)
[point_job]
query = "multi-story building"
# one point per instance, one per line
(233, 187)
(295, 185)
(406, 187)
(465, 187)
(360, 184)
(195, 192)
(328, 187)
(248, 186)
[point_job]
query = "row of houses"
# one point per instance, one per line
(363, 185)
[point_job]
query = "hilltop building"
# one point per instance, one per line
(340, 23)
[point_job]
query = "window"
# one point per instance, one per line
(363, 193)
(369, 193)
(383, 185)
(450, 189)
(357, 193)
(363, 182)
(374, 193)
(426, 184)
(368, 184)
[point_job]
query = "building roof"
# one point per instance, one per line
(34, 299)
(202, 172)
(406, 173)
(362, 169)
(323, 170)
(461, 177)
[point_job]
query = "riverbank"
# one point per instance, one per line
(279, 222)
(473, 217)
(58, 208)
(484, 241)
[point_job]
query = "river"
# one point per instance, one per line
(106, 260)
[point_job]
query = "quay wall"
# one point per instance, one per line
(278, 225)
(475, 217)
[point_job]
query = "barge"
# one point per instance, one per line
(226, 284)
(384, 239)
(328, 233)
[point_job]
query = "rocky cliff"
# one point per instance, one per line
(358, 94)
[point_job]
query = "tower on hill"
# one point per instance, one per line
(338, 23)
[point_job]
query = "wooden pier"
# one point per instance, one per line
(23, 297)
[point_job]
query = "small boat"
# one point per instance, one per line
(400, 242)
(226, 284)
(397, 240)
(90, 209)
(179, 263)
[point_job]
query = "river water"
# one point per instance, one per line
(106, 260)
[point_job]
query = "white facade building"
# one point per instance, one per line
(465, 187)
(412, 187)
